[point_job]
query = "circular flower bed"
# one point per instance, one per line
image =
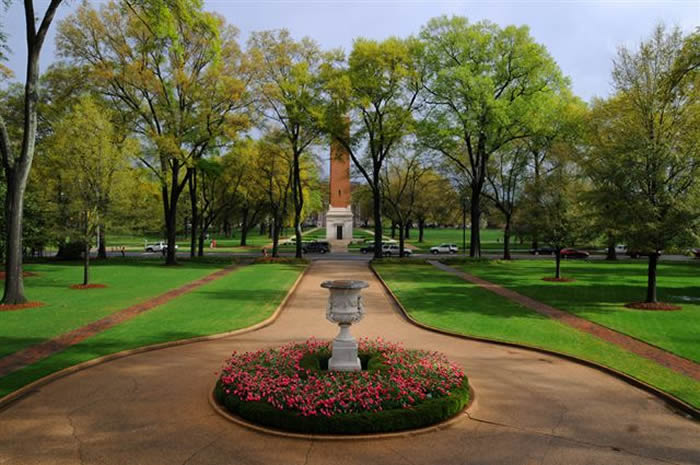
(290, 388)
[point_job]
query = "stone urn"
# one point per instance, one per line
(344, 309)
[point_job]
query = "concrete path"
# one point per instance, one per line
(152, 408)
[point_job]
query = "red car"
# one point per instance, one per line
(573, 253)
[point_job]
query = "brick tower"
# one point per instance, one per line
(339, 215)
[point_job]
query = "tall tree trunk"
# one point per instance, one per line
(298, 200)
(192, 184)
(475, 216)
(421, 227)
(506, 239)
(200, 243)
(393, 229)
(402, 238)
(464, 227)
(651, 277)
(86, 259)
(263, 227)
(407, 229)
(244, 226)
(276, 226)
(17, 168)
(557, 255)
(14, 204)
(102, 248)
(378, 232)
(611, 255)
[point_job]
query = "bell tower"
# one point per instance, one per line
(339, 215)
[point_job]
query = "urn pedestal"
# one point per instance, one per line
(344, 308)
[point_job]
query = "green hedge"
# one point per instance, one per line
(428, 412)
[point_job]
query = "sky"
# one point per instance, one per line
(581, 35)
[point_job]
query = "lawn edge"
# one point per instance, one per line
(28, 389)
(675, 403)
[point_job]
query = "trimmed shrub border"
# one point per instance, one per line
(673, 402)
(292, 364)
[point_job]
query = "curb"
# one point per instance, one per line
(462, 414)
(676, 404)
(29, 388)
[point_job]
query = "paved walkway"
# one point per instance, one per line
(530, 408)
(665, 358)
(34, 353)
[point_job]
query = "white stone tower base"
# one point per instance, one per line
(339, 218)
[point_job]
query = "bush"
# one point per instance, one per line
(70, 250)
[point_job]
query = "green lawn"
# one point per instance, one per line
(129, 281)
(242, 298)
(602, 288)
(442, 300)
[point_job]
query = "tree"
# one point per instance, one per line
(506, 175)
(17, 158)
(94, 165)
(370, 109)
(288, 85)
(484, 88)
(558, 199)
(400, 183)
(646, 144)
(171, 69)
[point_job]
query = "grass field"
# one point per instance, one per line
(602, 288)
(240, 299)
(442, 300)
(129, 281)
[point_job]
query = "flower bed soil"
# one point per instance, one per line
(291, 389)
(25, 274)
(558, 280)
(88, 286)
(24, 306)
(658, 306)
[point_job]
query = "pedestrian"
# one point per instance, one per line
(123, 251)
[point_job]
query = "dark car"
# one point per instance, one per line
(368, 248)
(641, 253)
(573, 253)
(316, 247)
(542, 251)
(696, 252)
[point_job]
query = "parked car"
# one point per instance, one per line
(443, 248)
(367, 249)
(641, 253)
(573, 253)
(620, 248)
(158, 247)
(392, 249)
(543, 251)
(316, 247)
(696, 252)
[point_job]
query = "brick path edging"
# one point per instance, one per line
(24, 391)
(672, 401)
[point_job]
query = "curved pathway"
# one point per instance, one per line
(152, 408)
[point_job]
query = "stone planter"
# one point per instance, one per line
(344, 309)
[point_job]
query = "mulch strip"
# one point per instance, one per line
(26, 274)
(32, 354)
(88, 286)
(11, 308)
(558, 280)
(653, 306)
(636, 346)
